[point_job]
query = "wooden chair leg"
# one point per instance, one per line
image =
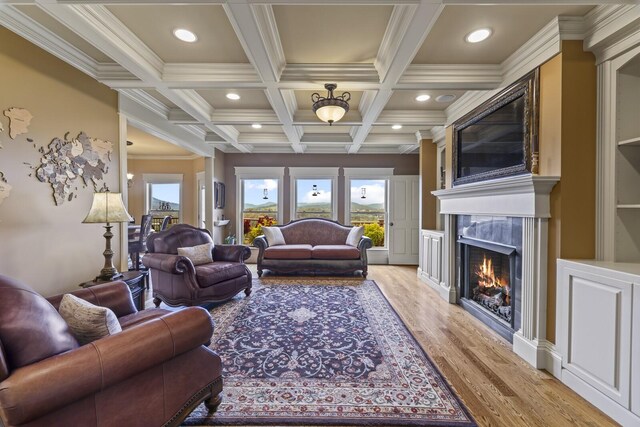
(213, 402)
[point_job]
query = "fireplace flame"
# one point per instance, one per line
(487, 278)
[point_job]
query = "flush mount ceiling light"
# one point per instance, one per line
(185, 35)
(423, 98)
(396, 127)
(233, 96)
(256, 126)
(478, 35)
(331, 108)
(445, 98)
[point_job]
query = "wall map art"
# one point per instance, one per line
(65, 161)
(19, 120)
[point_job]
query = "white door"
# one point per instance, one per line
(404, 208)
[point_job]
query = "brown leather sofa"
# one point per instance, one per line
(153, 373)
(176, 281)
(313, 245)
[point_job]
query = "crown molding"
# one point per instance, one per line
(241, 147)
(466, 103)
(290, 101)
(161, 157)
(21, 24)
(613, 31)
(453, 76)
(266, 23)
(147, 101)
(423, 134)
(244, 117)
(408, 149)
(395, 31)
(210, 75)
(311, 76)
(438, 134)
(195, 130)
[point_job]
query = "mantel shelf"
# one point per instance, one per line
(628, 206)
(630, 141)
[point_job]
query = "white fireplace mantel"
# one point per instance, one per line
(525, 196)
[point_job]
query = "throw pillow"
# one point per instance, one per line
(354, 236)
(88, 322)
(200, 254)
(274, 236)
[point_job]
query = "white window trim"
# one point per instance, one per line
(368, 173)
(244, 172)
(314, 173)
(163, 178)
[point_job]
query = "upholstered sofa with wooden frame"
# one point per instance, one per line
(313, 245)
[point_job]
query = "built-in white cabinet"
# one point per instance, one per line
(430, 257)
(597, 305)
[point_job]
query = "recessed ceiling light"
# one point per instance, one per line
(233, 96)
(396, 127)
(185, 35)
(423, 98)
(445, 98)
(256, 126)
(478, 35)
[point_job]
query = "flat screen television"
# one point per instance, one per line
(499, 138)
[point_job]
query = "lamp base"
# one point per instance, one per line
(110, 277)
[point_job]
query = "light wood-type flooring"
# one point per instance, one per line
(498, 387)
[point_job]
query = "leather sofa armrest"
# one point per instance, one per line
(261, 243)
(34, 390)
(174, 264)
(113, 295)
(364, 244)
(231, 253)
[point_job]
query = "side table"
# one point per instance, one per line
(136, 280)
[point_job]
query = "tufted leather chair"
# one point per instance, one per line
(153, 373)
(176, 281)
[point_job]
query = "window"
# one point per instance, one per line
(313, 199)
(163, 197)
(313, 192)
(259, 199)
(368, 207)
(260, 206)
(366, 202)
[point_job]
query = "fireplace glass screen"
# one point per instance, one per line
(489, 276)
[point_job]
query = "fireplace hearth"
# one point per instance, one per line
(488, 271)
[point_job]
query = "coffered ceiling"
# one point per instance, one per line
(274, 56)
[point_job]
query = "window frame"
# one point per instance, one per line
(377, 174)
(296, 173)
(163, 178)
(249, 173)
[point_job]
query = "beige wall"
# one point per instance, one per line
(188, 169)
(403, 164)
(428, 182)
(45, 245)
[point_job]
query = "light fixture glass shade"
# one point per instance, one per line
(107, 207)
(330, 113)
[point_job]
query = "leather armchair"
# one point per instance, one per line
(153, 373)
(176, 281)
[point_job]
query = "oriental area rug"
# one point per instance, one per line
(324, 352)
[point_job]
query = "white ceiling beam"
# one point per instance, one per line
(314, 76)
(257, 36)
(210, 75)
(454, 77)
(412, 117)
(422, 19)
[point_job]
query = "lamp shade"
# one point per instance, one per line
(330, 113)
(107, 207)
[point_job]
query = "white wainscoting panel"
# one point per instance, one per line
(430, 268)
(635, 351)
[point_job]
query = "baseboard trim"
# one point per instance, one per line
(530, 350)
(619, 413)
(552, 359)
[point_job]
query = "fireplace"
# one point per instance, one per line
(489, 271)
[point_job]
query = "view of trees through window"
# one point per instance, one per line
(368, 207)
(259, 206)
(313, 199)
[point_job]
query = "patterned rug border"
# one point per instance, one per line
(364, 421)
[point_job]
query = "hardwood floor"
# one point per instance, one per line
(498, 387)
